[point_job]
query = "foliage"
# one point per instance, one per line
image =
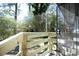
(9, 9)
(52, 23)
(33, 25)
(7, 27)
(39, 8)
(37, 23)
(24, 25)
(6, 9)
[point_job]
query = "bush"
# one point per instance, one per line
(7, 27)
(25, 25)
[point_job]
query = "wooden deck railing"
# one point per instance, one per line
(30, 43)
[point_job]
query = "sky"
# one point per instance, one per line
(24, 11)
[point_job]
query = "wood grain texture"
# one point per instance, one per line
(27, 40)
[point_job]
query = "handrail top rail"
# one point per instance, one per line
(11, 37)
(28, 33)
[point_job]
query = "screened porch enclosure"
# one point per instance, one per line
(68, 29)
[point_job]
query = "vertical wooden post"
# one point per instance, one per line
(49, 42)
(20, 40)
(20, 47)
(24, 44)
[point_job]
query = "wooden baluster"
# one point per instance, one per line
(50, 42)
(24, 44)
(20, 40)
(51, 39)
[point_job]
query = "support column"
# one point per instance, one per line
(24, 44)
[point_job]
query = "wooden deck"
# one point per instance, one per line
(30, 44)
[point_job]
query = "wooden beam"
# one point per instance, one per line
(38, 42)
(35, 51)
(51, 41)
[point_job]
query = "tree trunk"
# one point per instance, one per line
(15, 17)
(15, 11)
